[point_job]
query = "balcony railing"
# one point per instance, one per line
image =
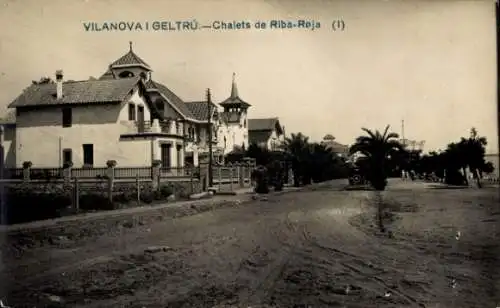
(156, 126)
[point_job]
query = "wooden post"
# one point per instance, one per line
(158, 179)
(67, 175)
(76, 194)
(138, 185)
(191, 182)
(26, 174)
(219, 176)
(231, 178)
(155, 176)
(241, 176)
(111, 181)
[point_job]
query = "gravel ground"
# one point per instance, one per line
(319, 248)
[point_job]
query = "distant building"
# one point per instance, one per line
(335, 147)
(267, 133)
(232, 123)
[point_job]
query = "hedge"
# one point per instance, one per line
(30, 202)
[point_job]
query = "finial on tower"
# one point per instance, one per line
(209, 96)
(130, 45)
(234, 89)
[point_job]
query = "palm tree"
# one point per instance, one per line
(298, 148)
(473, 151)
(377, 147)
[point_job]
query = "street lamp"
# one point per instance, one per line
(209, 114)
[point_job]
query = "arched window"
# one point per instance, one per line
(126, 74)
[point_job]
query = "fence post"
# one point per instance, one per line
(76, 194)
(138, 186)
(111, 179)
(231, 178)
(219, 176)
(241, 176)
(26, 171)
(155, 175)
(191, 181)
(67, 174)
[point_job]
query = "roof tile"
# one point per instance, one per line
(76, 92)
(262, 124)
(130, 58)
(200, 110)
(174, 99)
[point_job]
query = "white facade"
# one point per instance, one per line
(42, 139)
(275, 142)
(231, 136)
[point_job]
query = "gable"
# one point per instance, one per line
(267, 124)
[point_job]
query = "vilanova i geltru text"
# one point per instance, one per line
(191, 25)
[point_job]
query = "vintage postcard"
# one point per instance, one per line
(263, 153)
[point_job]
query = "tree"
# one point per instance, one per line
(377, 148)
(454, 159)
(298, 148)
(473, 151)
(261, 155)
(322, 163)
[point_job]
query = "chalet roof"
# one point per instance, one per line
(234, 99)
(107, 75)
(259, 136)
(335, 146)
(76, 92)
(267, 124)
(178, 103)
(150, 84)
(130, 59)
(200, 110)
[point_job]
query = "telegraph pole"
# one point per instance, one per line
(403, 132)
(209, 108)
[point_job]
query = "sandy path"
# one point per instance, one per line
(294, 249)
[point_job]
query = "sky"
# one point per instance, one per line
(429, 63)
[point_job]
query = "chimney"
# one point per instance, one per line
(59, 82)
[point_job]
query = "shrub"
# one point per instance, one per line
(95, 201)
(25, 203)
(111, 163)
(276, 174)
(166, 191)
(124, 197)
(260, 176)
(147, 196)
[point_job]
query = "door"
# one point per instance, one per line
(88, 155)
(67, 157)
(165, 155)
(140, 118)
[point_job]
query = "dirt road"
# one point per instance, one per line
(318, 248)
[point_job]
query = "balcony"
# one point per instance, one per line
(167, 127)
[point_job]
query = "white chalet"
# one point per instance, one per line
(124, 115)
